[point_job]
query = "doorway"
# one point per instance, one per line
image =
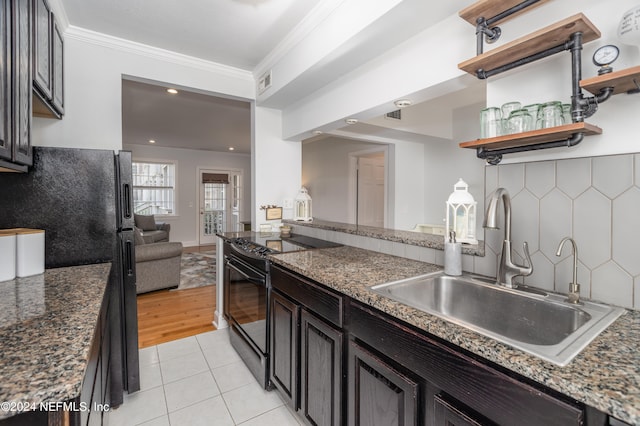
(220, 206)
(368, 193)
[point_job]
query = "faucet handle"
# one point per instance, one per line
(526, 270)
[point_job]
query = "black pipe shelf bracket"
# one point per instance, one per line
(581, 106)
(485, 32)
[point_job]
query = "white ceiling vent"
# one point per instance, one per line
(264, 82)
(394, 115)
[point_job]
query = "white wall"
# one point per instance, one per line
(445, 163)
(325, 173)
(94, 66)
(550, 79)
(276, 164)
(184, 225)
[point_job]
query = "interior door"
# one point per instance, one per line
(220, 195)
(371, 190)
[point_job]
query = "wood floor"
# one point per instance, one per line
(168, 315)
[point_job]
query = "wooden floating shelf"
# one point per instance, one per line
(622, 81)
(533, 137)
(489, 8)
(539, 41)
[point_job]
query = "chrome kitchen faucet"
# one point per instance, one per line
(507, 270)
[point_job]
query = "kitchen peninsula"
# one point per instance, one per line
(52, 352)
(603, 379)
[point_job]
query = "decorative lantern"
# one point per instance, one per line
(461, 214)
(303, 206)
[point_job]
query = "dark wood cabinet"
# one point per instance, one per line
(57, 96)
(448, 412)
(379, 394)
(307, 348)
(15, 85)
(48, 66)
(284, 347)
(22, 82)
(320, 371)
(5, 81)
(42, 48)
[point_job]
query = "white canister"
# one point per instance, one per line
(7, 254)
(30, 252)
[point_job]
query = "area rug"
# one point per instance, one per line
(197, 269)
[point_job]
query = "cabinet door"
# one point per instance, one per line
(42, 58)
(284, 347)
(21, 134)
(58, 69)
(5, 87)
(379, 394)
(448, 412)
(320, 371)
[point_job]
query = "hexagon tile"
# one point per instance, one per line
(595, 201)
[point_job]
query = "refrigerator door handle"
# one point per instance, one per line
(126, 200)
(128, 255)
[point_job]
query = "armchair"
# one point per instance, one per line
(157, 264)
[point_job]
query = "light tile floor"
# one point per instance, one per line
(199, 380)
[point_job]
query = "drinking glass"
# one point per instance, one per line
(519, 121)
(509, 107)
(550, 115)
(533, 112)
(490, 122)
(566, 113)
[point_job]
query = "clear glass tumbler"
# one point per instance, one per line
(490, 122)
(519, 121)
(550, 115)
(509, 107)
(566, 113)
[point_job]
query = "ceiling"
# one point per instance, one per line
(237, 33)
(184, 120)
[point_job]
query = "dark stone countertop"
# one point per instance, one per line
(413, 238)
(47, 324)
(605, 375)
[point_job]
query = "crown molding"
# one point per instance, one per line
(61, 14)
(128, 46)
(299, 32)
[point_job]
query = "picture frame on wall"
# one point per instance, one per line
(274, 213)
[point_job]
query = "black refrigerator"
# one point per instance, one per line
(82, 198)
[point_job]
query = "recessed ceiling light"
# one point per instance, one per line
(172, 91)
(318, 132)
(402, 103)
(351, 120)
(152, 141)
(231, 148)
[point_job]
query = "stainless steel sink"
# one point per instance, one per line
(540, 324)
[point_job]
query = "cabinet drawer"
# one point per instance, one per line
(486, 390)
(321, 301)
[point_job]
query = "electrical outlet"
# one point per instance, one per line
(287, 203)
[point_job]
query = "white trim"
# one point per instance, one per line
(199, 171)
(128, 46)
(57, 7)
(218, 315)
(317, 15)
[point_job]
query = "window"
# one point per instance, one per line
(154, 188)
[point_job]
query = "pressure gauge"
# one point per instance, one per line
(604, 56)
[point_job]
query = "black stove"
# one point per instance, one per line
(263, 244)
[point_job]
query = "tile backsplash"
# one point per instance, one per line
(596, 201)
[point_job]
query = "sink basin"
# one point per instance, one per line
(540, 324)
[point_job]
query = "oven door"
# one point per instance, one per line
(246, 293)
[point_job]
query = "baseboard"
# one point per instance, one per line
(190, 244)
